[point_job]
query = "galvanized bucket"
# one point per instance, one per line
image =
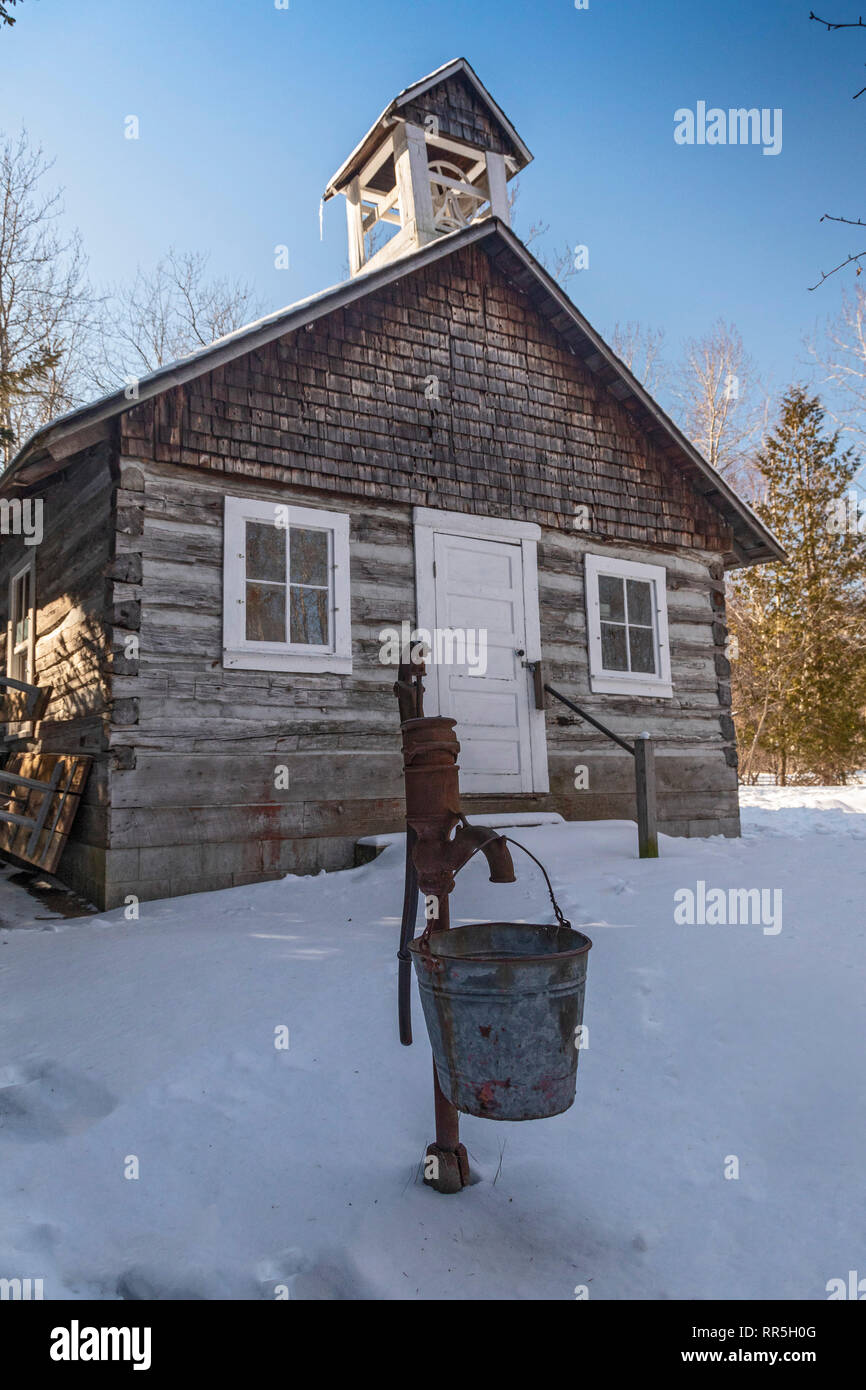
(503, 1002)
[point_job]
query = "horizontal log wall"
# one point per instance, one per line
(693, 731)
(195, 803)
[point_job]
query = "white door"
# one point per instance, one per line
(479, 592)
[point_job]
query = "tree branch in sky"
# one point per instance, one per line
(5, 16)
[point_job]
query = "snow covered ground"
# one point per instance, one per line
(261, 1169)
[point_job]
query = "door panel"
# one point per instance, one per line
(479, 585)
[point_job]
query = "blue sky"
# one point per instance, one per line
(245, 110)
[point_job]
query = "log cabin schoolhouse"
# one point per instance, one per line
(442, 441)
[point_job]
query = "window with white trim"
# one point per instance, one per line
(20, 633)
(627, 624)
(285, 588)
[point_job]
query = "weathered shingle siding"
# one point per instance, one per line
(461, 113)
(522, 430)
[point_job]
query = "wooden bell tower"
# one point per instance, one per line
(438, 159)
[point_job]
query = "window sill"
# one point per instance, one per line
(318, 663)
(626, 685)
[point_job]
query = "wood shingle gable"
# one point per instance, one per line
(519, 427)
(343, 404)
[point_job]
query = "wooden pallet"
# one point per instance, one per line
(39, 796)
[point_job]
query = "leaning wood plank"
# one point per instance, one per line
(39, 820)
(39, 796)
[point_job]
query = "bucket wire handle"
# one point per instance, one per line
(561, 921)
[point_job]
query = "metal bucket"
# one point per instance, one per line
(502, 1002)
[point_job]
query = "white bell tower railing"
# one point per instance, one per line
(425, 185)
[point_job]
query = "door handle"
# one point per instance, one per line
(534, 667)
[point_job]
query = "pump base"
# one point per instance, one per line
(450, 1172)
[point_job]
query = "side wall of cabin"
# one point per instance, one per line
(72, 602)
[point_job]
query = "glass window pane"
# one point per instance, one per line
(266, 612)
(613, 654)
(640, 602)
(21, 609)
(266, 552)
(308, 556)
(610, 597)
(641, 644)
(309, 609)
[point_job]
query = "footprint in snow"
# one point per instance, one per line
(621, 885)
(43, 1100)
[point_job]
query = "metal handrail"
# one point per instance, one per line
(643, 752)
(629, 747)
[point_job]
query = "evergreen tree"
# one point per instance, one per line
(799, 681)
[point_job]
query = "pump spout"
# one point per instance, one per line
(470, 839)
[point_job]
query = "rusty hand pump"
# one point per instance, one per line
(439, 841)
(444, 841)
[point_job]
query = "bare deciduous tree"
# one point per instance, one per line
(842, 358)
(641, 350)
(720, 404)
(164, 315)
(858, 256)
(45, 301)
(561, 264)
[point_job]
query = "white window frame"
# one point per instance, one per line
(28, 569)
(627, 682)
(22, 728)
(239, 653)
